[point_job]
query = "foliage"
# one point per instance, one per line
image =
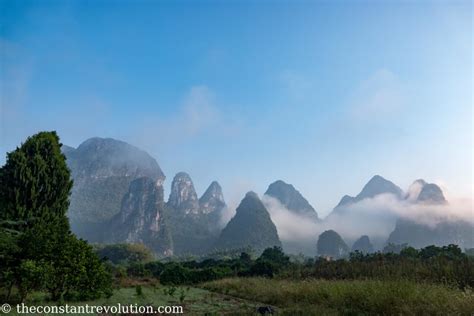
(276, 256)
(447, 265)
(138, 290)
(35, 182)
(154, 268)
(9, 251)
(137, 269)
(271, 262)
(348, 297)
(469, 252)
(29, 276)
(175, 274)
(40, 251)
(125, 253)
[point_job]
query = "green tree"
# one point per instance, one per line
(276, 256)
(40, 251)
(126, 253)
(9, 251)
(76, 272)
(174, 274)
(29, 277)
(35, 182)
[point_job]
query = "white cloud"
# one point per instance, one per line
(196, 115)
(375, 217)
(290, 226)
(378, 97)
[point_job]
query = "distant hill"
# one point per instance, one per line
(102, 170)
(419, 235)
(117, 196)
(331, 244)
(251, 226)
(291, 198)
(142, 218)
(376, 185)
(194, 221)
(363, 245)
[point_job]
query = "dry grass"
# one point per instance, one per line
(311, 297)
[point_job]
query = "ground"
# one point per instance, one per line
(241, 296)
(196, 301)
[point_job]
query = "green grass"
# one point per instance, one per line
(196, 301)
(240, 296)
(363, 297)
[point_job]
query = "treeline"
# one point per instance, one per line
(447, 265)
(38, 252)
(132, 261)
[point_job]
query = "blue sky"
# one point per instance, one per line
(320, 94)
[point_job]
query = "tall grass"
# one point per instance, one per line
(354, 297)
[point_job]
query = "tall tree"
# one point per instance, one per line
(35, 185)
(35, 182)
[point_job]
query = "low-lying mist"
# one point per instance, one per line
(375, 217)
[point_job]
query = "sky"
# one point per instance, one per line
(320, 94)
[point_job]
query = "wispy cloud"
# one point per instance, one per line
(196, 114)
(378, 97)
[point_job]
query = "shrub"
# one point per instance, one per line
(125, 253)
(174, 274)
(137, 270)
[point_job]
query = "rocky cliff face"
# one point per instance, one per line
(142, 217)
(194, 222)
(102, 169)
(291, 198)
(212, 200)
(183, 196)
(250, 227)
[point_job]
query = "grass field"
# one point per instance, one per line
(322, 297)
(241, 296)
(195, 301)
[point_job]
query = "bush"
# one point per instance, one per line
(125, 253)
(137, 270)
(174, 274)
(154, 268)
(263, 268)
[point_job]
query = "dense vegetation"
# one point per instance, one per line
(355, 297)
(443, 265)
(446, 265)
(37, 249)
(433, 280)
